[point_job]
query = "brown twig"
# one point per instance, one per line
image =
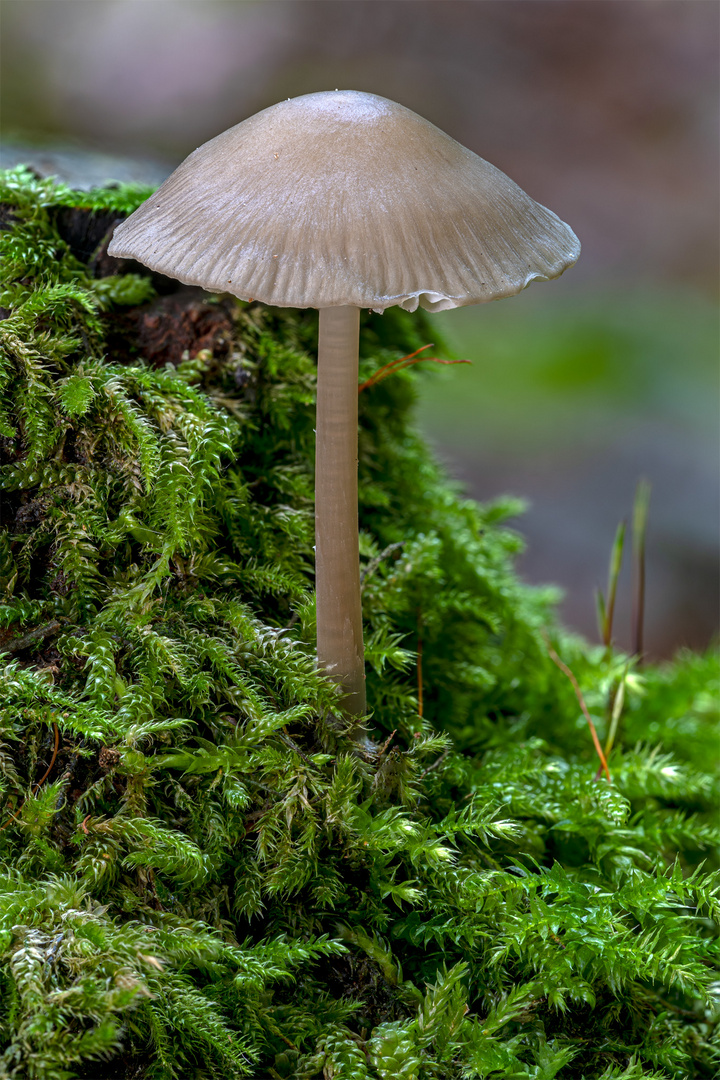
(20, 643)
(383, 747)
(578, 694)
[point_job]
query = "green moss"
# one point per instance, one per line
(211, 880)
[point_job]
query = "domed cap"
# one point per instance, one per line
(345, 198)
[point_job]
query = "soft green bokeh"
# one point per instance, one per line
(551, 372)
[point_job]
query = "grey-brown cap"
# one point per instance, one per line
(345, 198)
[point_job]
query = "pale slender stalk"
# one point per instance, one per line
(337, 559)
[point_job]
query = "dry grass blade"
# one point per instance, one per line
(639, 530)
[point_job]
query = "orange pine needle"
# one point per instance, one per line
(404, 362)
(578, 694)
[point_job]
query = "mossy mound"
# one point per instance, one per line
(202, 875)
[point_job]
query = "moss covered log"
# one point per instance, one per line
(201, 874)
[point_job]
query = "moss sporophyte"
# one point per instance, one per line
(341, 201)
(200, 875)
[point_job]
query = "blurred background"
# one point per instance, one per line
(606, 112)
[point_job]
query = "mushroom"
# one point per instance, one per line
(340, 201)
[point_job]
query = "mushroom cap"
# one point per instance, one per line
(345, 198)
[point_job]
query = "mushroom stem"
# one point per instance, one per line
(337, 559)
